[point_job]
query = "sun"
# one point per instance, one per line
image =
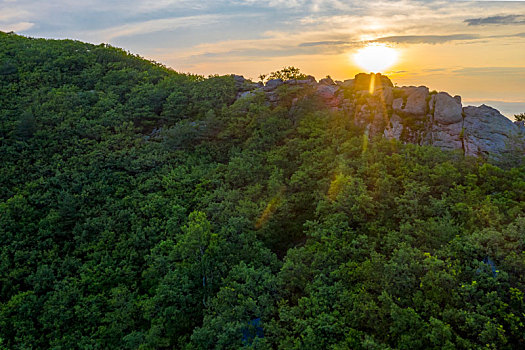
(376, 57)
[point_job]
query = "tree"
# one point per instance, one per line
(519, 117)
(287, 73)
(26, 126)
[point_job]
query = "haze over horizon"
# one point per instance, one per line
(475, 49)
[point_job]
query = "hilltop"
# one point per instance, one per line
(141, 208)
(408, 113)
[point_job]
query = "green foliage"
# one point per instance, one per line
(26, 126)
(519, 117)
(287, 73)
(141, 208)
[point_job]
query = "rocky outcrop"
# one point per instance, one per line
(362, 81)
(409, 113)
(486, 131)
(326, 81)
(414, 101)
(273, 84)
(329, 94)
(394, 129)
(447, 109)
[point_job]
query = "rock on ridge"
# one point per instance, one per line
(409, 113)
(447, 109)
(486, 131)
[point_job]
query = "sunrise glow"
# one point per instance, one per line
(376, 57)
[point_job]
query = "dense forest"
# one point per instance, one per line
(141, 208)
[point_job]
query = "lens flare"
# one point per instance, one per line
(376, 57)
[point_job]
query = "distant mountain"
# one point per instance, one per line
(141, 208)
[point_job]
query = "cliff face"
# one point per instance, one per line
(410, 114)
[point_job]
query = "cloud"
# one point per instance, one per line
(311, 5)
(12, 13)
(518, 35)
(502, 20)
(492, 71)
(157, 25)
(13, 18)
(16, 27)
(400, 39)
(425, 39)
(274, 3)
(431, 70)
(324, 43)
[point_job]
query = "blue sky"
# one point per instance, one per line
(472, 48)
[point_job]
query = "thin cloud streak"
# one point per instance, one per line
(425, 39)
(157, 25)
(324, 43)
(515, 71)
(500, 20)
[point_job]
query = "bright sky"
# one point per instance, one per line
(475, 49)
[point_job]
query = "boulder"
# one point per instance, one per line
(242, 84)
(245, 94)
(348, 84)
(308, 81)
(397, 105)
(394, 128)
(327, 92)
(447, 136)
(238, 79)
(326, 81)
(378, 123)
(362, 116)
(386, 95)
(273, 84)
(362, 81)
(447, 110)
(310, 78)
(487, 131)
(416, 103)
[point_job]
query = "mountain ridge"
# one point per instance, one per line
(407, 113)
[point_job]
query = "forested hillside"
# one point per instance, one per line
(142, 208)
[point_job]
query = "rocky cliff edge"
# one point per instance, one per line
(408, 113)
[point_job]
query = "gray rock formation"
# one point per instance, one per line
(486, 130)
(327, 91)
(410, 114)
(447, 136)
(348, 84)
(447, 109)
(273, 84)
(362, 81)
(326, 81)
(394, 129)
(416, 101)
